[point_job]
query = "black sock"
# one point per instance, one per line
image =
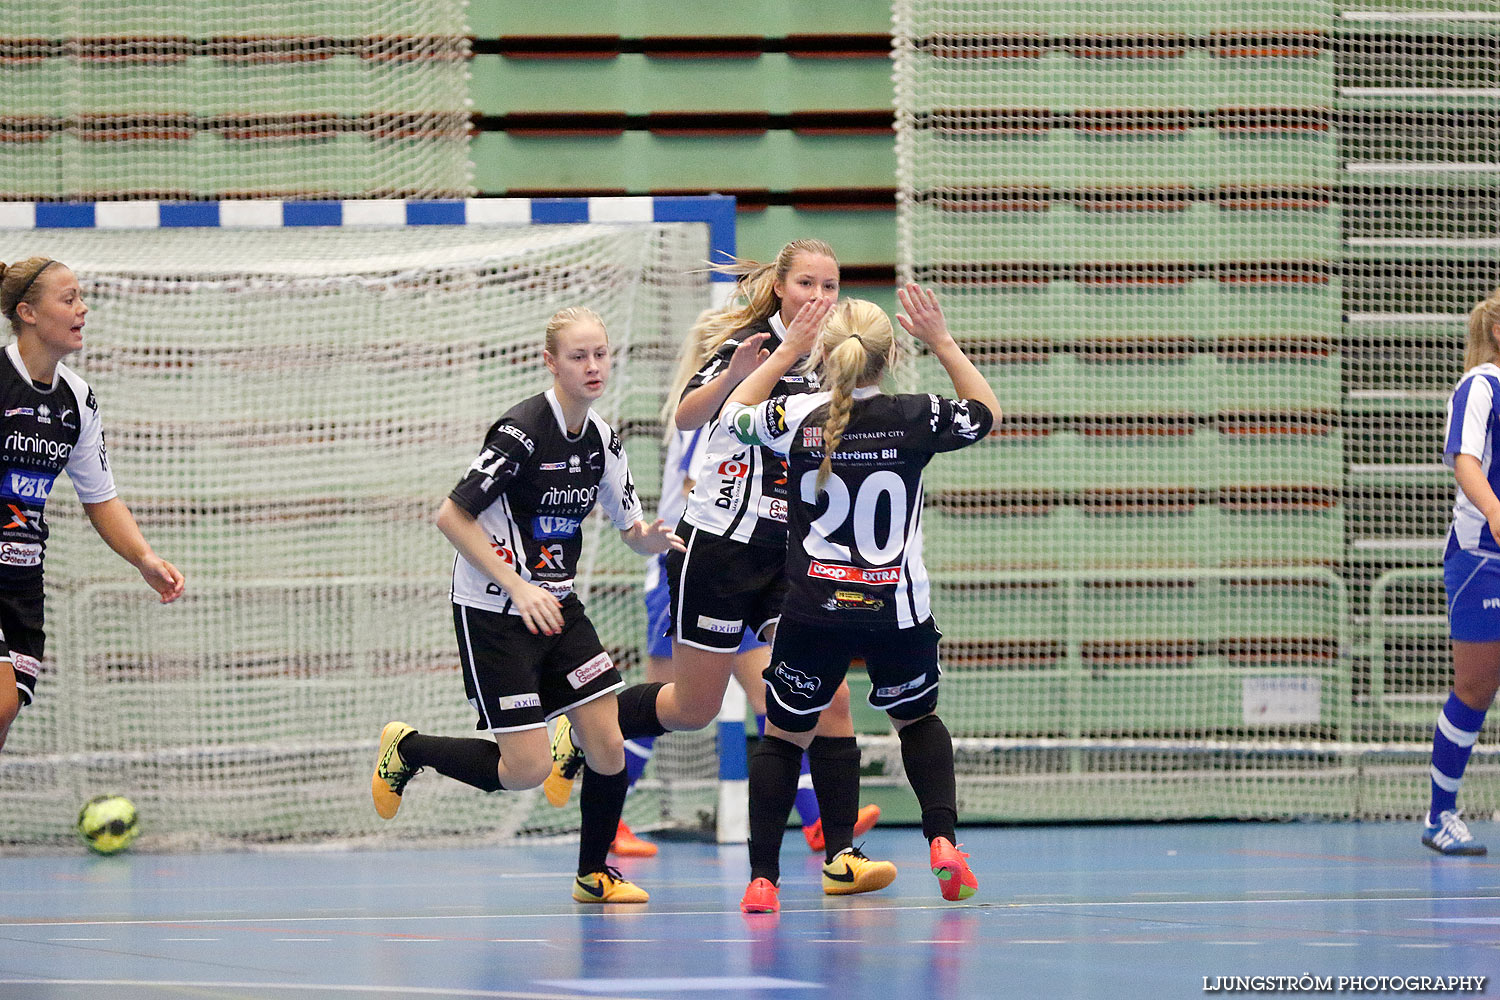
(834, 763)
(774, 769)
(473, 761)
(600, 804)
(638, 710)
(927, 753)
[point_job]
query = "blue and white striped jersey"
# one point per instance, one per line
(1473, 411)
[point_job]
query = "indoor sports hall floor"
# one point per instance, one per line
(1075, 911)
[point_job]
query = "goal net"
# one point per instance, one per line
(119, 99)
(285, 408)
(1215, 260)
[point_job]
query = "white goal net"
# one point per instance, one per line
(285, 409)
(1215, 259)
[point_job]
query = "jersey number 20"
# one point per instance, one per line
(873, 551)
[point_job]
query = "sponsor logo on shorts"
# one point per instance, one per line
(25, 666)
(550, 526)
(773, 509)
(510, 701)
(855, 574)
(1491, 602)
(734, 468)
(23, 484)
(892, 692)
(20, 554)
(796, 679)
(721, 625)
(590, 671)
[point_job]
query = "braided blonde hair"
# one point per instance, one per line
(754, 299)
(856, 346)
(1483, 318)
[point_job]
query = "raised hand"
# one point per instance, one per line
(923, 318)
(807, 324)
(747, 357)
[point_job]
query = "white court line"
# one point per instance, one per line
(190, 939)
(700, 914)
(1235, 944)
(77, 939)
(1330, 944)
(302, 939)
(400, 991)
(1424, 946)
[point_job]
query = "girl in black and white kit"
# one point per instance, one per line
(857, 585)
(528, 650)
(49, 424)
(730, 580)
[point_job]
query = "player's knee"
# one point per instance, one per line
(1477, 693)
(608, 760)
(520, 773)
(699, 714)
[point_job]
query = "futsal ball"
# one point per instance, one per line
(107, 823)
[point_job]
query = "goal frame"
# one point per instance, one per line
(716, 211)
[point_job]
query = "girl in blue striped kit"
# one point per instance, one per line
(1471, 575)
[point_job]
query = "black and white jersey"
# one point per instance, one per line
(530, 489)
(43, 431)
(854, 547)
(741, 490)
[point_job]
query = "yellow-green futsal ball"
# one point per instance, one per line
(107, 823)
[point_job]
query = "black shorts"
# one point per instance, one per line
(720, 588)
(516, 680)
(808, 662)
(22, 638)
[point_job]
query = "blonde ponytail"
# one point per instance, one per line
(1483, 318)
(856, 346)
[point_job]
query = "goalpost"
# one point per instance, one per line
(288, 388)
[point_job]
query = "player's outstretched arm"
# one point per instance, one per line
(800, 337)
(924, 320)
(653, 539)
(116, 525)
(540, 611)
(698, 406)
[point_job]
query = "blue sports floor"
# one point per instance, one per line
(1116, 912)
